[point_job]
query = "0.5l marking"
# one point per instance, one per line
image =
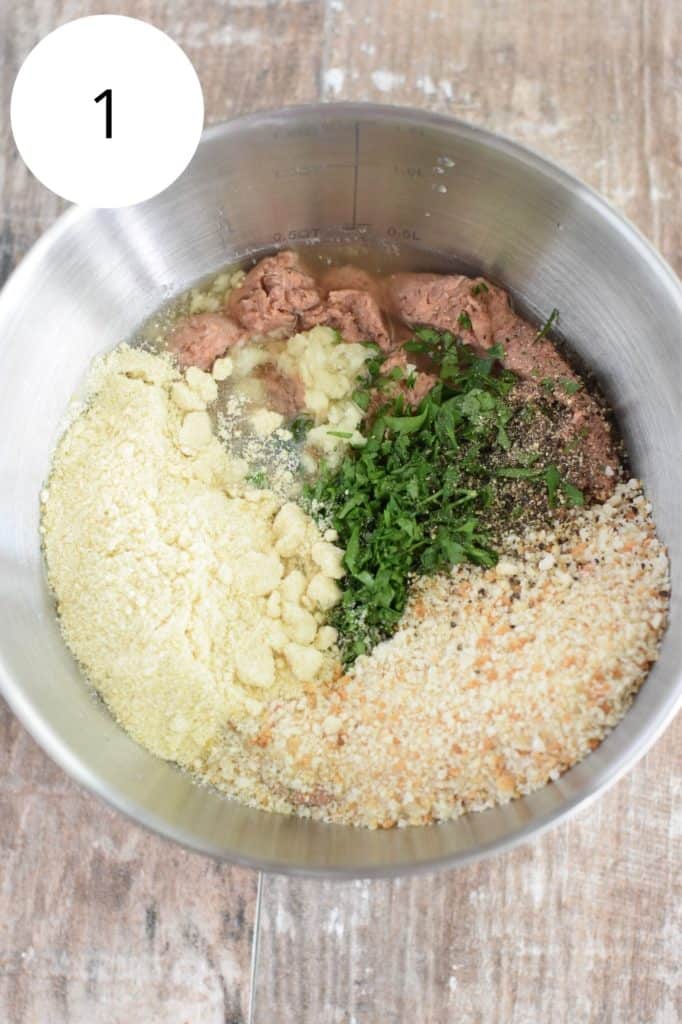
(107, 96)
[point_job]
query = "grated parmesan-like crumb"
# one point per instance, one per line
(161, 557)
(496, 683)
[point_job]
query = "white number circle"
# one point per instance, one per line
(107, 111)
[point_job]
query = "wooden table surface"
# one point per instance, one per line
(101, 922)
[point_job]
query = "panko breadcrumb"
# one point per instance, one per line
(497, 682)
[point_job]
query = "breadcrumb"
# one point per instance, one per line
(496, 683)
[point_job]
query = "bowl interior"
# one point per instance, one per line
(338, 174)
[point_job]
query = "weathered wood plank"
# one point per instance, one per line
(595, 87)
(580, 927)
(101, 921)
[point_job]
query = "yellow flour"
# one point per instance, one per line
(187, 596)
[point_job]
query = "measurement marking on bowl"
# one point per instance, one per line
(355, 173)
(409, 172)
(308, 170)
(297, 235)
(406, 234)
(318, 234)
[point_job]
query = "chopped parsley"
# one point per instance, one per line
(569, 385)
(554, 482)
(361, 397)
(409, 501)
(259, 478)
(418, 496)
(464, 321)
(300, 426)
(547, 326)
(480, 288)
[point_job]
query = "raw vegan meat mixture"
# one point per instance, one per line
(356, 547)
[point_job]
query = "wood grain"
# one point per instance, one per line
(580, 927)
(596, 87)
(100, 922)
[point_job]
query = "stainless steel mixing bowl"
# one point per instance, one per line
(340, 173)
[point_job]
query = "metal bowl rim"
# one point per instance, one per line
(39, 727)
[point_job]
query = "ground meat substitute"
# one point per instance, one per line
(274, 295)
(199, 340)
(438, 301)
(278, 294)
(355, 314)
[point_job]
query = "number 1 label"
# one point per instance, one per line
(107, 97)
(63, 124)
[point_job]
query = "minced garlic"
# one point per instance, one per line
(329, 372)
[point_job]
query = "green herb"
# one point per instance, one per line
(529, 458)
(258, 478)
(556, 486)
(300, 426)
(340, 433)
(410, 500)
(362, 397)
(480, 288)
(552, 478)
(427, 340)
(568, 385)
(464, 321)
(414, 499)
(405, 424)
(547, 326)
(574, 497)
(520, 472)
